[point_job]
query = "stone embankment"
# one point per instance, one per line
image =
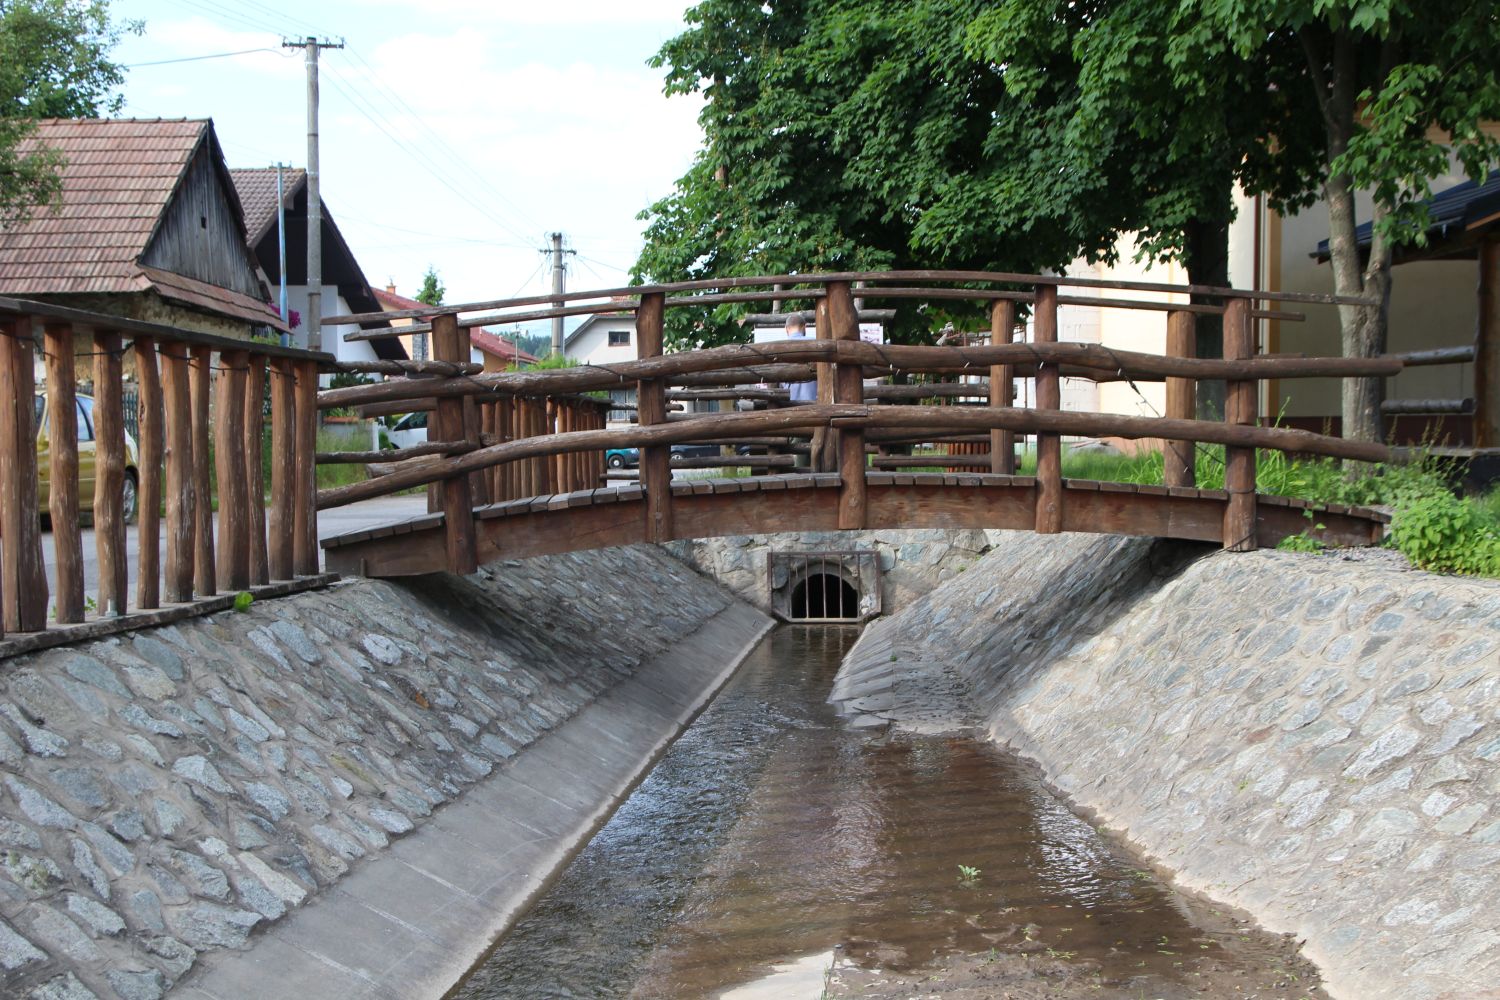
(1311, 738)
(166, 796)
(912, 562)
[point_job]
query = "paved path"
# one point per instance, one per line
(354, 517)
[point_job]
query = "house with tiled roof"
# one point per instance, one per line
(150, 227)
(345, 290)
(494, 351)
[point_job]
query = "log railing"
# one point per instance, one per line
(526, 444)
(201, 421)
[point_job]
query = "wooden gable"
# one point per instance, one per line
(201, 234)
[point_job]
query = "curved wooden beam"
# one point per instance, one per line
(924, 418)
(893, 357)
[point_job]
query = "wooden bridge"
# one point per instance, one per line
(516, 464)
(516, 469)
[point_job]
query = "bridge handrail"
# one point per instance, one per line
(200, 428)
(720, 426)
(838, 277)
(890, 358)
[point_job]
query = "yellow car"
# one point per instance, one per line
(86, 459)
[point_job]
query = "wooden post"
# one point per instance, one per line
(1002, 388)
(255, 473)
(62, 453)
(24, 583)
(450, 344)
(1049, 489)
(109, 474)
(651, 400)
(479, 490)
(1240, 407)
(182, 518)
(824, 444)
(148, 490)
(204, 581)
(283, 469)
(229, 461)
(305, 472)
(1178, 457)
(1487, 349)
(849, 387)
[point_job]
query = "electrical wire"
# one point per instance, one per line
(187, 59)
(374, 79)
(219, 11)
(388, 129)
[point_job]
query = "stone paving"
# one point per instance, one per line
(171, 793)
(1313, 739)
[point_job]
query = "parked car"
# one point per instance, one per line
(87, 460)
(409, 430)
(621, 458)
(681, 451)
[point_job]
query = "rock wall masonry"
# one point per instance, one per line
(1313, 739)
(168, 794)
(911, 562)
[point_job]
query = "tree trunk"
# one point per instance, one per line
(1207, 243)
(1332, 64)
(1362, 328)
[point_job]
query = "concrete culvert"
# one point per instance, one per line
(824, 597)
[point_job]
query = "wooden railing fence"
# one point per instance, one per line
(198, 399)
(523, 446)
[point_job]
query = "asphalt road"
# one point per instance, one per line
(330, 522)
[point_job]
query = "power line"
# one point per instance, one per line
(219, 11)
(187, 59)
(388, 129)
(374, 79)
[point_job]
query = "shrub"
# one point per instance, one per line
(1446, 534)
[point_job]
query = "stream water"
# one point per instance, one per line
(772, 853)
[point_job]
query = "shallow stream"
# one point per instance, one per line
(773, 853)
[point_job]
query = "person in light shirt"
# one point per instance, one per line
(800, 392)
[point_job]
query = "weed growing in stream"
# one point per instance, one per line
(968, 874)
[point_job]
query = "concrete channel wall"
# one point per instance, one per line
(344, 793)
(1311, 738)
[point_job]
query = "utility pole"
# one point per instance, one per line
(314, 196)
(559, 285)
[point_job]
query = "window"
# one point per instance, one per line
(619, 338)
(85, 418)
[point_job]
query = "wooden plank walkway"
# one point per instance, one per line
(599, 518)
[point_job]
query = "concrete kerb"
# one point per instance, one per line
(412, 922)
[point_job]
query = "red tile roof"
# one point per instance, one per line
(391, 302)
(119, 176)
(257, 190)
(501, 347)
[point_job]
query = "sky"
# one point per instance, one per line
(454, 133)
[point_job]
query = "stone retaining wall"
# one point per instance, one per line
(171, 793)
(911, 562)
(1312, 738)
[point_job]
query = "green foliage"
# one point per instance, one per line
(54, 63)
(1446, 534)
(968, 874)
(432, 290)
(548, 363)
(1302, 542)
(243, 600)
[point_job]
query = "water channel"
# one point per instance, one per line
(773, 853)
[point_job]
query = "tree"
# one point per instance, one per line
(432, 290)
(54, 63)
(952, 133)
(1023, 134)
(1401, 86)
